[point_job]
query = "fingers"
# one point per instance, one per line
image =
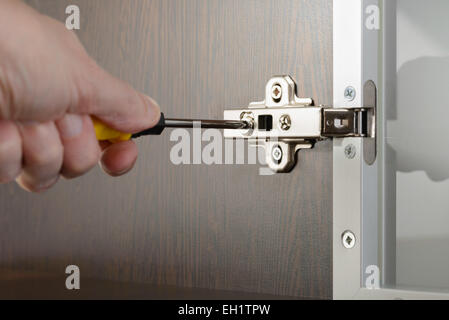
(119, 158)
(117, 104)
(72, 151)
(10, 151)
(35, 154)
(81, 149)
(42, 156)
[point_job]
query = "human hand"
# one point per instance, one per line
(49, 89)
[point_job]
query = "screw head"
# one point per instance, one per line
(350, 151)
(350, 93)
(285, 122)
(348, 239)
(249, 118)
(276, 92)
(276, 154)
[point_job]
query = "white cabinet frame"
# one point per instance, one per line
(363, 52)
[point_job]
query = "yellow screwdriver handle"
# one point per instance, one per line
(104, 133)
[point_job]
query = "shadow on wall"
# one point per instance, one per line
(423, 263)
(418, 133)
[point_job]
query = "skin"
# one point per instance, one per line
(49, 90)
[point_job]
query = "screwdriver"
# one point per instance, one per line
(104, 133)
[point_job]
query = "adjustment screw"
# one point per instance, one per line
(285, 122)
(350, 151)
(276, 92)
(276, 154)
(348, 239)
(350, 93)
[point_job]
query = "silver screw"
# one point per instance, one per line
(348, 239)
(249, 118)
(276, 154)
(276, 92)
(350, 151)
(350, 93)
(285, 122)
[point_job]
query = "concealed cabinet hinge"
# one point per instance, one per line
(284, 123)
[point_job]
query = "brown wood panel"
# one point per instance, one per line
(195, 226)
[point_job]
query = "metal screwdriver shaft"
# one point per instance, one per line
(191, 123)
(206, 124)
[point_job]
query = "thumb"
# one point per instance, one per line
(118, 105)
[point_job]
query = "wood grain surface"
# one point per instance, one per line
(219, 227)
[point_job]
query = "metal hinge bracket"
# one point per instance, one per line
(284, 123)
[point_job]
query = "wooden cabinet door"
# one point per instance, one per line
(222, 227)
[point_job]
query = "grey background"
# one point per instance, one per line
(418, 145)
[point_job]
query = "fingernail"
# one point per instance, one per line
(23, 181)
(154, 109)
(70, 126)
(46, 185)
